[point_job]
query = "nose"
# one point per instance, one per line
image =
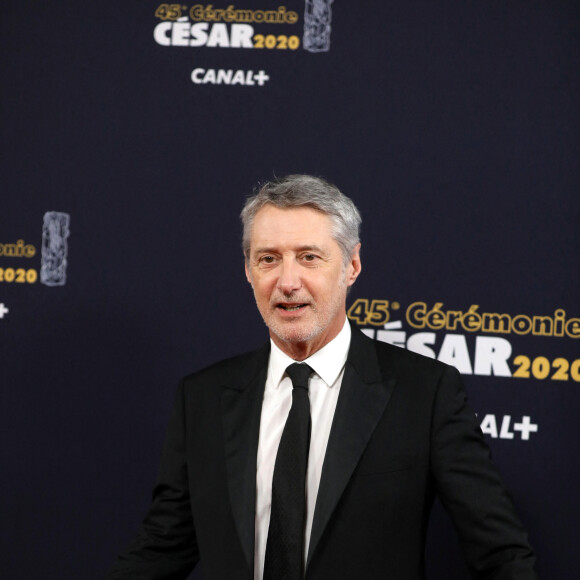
(289, 280)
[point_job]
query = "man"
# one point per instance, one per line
(275, 471)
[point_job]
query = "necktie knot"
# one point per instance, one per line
(299, 375)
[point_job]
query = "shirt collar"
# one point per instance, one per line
(327, 362)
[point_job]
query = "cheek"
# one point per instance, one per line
(262, 289)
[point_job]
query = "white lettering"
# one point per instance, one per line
(454, 352)
(491, 356)
(199, 34)
(160, 33)
(395, 337)
(218, 35)
(180, 34)
(491, 353)
(241, 36)
(224, 76)
(261, 77)
(505, 432)
(249, 78)
(526, 427)
(238, 78)
(489, 426)
(418, 343)
(209, 77)
(196, 75)
(202, 76)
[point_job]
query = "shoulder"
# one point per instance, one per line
(399, 363)
(419, 380)
(233, 369)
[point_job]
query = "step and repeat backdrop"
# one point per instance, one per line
(131, 133)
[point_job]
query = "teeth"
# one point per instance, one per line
(291, 308)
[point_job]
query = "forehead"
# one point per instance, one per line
(274, 225)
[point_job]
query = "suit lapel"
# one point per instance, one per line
(241, 404)
(363, 398)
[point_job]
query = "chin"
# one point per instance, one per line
(298, 334)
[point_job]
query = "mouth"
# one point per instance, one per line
(290, 307)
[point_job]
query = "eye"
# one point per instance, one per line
(310, 258)
(267, 260)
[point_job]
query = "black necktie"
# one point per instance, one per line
(285, 544)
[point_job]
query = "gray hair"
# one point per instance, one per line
(306, 191)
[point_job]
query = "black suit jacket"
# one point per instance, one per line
(402, 432)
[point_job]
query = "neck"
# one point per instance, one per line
(297, 351)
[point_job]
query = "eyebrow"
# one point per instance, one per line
(306, 248)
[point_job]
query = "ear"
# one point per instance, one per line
(354, 267)
(247, 270)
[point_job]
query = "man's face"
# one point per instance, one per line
(299, 278)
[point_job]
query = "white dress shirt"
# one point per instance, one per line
(324, 387)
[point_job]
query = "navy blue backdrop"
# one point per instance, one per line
(131, 133)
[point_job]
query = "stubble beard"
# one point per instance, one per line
(295, 332)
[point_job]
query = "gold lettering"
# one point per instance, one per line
(196, 12)
(292, 17)
(199, 12)
(436, 318)
(471, 320)
(521, 324)
(17, 250)
(452, 317)
(559, 316)
(573, 328)
(416, 314)
(494, 322)
(543, 326)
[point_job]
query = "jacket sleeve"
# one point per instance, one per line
(165, 547)
(493, 540)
